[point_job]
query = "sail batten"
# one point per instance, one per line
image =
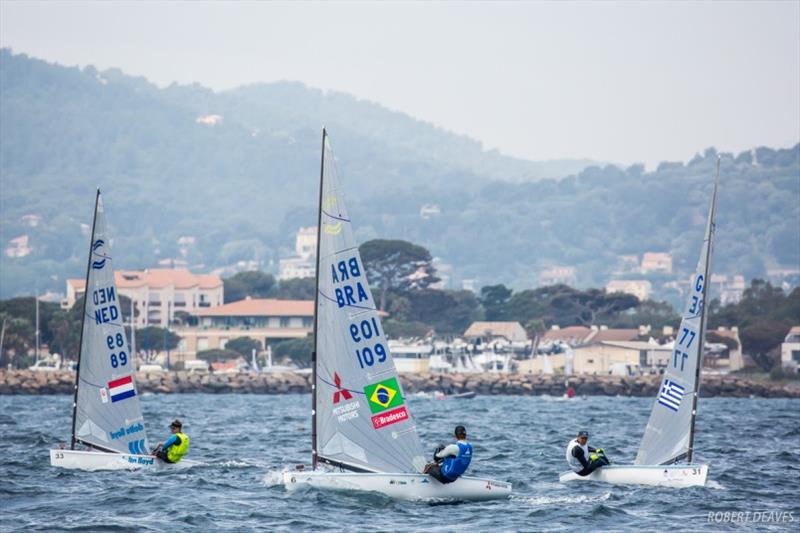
(360, 419)
(107, 414)
(669, 435)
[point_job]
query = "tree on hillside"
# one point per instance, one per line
(215, 355)
(243, 345)
(648, 312)
(17, 340)
(254, 284)
(395, 265)
(448, 312)
(764, 316)
(494, 299)
(296, 289)
(152, 340)
(593, 306)
(298, 350)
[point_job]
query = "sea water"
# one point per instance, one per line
(245, 441)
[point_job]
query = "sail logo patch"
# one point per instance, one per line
(98, 265)
(121, 389)
(390, 417)
(383, 395)
(671, 395)
(137, 447)
(340, 394)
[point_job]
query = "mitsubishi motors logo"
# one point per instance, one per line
(340, 394)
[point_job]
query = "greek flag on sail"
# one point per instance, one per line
(671, 395)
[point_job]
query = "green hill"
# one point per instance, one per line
(240, 187)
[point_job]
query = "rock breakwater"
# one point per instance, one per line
(62, 382)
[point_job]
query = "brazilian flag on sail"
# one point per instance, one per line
(383, 395)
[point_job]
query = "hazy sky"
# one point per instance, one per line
(625, 82)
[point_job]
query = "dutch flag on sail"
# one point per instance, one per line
(671, 395)
(120, 389)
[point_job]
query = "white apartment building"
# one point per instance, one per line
(640, 288)
(303, 265)
(656, 262)
(564, 275)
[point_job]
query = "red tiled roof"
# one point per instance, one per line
(615, 335)
(261, 307)
(158, 278)
(571, 333)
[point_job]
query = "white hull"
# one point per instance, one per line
(678, 476)
(94, 460)
(402, 486)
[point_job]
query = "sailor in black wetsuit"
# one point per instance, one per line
(582, 458)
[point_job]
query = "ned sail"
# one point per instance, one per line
(362, 420)
(107, 414)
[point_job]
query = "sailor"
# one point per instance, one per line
(582, 458)
(175, 447)
(450, 462)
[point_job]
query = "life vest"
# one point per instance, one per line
(179, 449)
(453, 467)
(571, 459)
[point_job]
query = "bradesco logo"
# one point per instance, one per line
(386, 403)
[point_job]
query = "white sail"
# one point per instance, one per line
(669, 432)
(362, 421)
(107, 414)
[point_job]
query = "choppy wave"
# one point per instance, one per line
(245, 442)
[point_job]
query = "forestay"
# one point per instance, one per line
(668, 436)
(362, 419)
(107, 413)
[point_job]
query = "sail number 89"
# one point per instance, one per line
(117, 341)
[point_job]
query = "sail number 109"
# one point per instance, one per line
(365, 330)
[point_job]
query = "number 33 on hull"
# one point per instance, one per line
(97, 460)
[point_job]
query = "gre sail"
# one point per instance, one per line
(669, 436)
(361, 420)
(106, 413)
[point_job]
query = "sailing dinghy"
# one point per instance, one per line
(363, 436)
(669, 436)
(106, 414)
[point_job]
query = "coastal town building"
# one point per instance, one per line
(261, 319)
(656, 262)
(729, 289)
(18, 247)
(641, 288)
(428, 211)
(723, 350)
(158, 294)
(790, 349)
(483, 332)
(603, 351)
(303, 264)
(558, 275)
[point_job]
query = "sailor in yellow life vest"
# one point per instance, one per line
(175, 447)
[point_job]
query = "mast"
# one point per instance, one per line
(83, 321)
(703, 314)
(133, 335)
(314, 455)
(37, 327)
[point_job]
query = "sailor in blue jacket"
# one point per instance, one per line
(453, 460)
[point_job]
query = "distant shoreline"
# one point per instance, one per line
(27, 382)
